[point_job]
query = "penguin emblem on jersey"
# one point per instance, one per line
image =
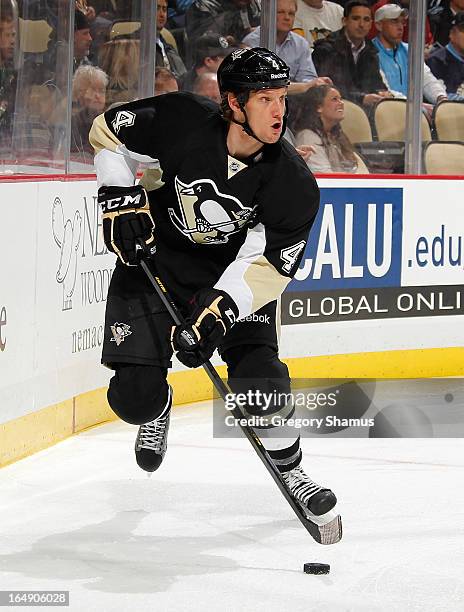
(206, 215)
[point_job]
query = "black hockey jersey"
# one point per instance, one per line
(238, 225)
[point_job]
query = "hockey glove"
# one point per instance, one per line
(127, 221)
(214, 313)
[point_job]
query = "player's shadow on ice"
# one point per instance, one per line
(122, 554)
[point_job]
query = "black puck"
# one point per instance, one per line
(316, 568)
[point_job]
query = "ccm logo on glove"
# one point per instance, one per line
(122, 202)
(128, 226)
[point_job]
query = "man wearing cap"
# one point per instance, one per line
(447, 63)
(393, 55)
(210, 50)
(82, 41)
(292, 48)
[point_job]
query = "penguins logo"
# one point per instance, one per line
(208, 216)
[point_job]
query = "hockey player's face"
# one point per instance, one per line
(265, 109)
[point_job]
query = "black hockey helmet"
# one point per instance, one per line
(252, 69)
(246, 70)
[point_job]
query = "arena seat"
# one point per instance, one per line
(127, 28)
(390, 121)
(444, 158)
(34, 35)
(448, 118)
(356, 123)
(124, 28)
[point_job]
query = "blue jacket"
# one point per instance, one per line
(394, 65)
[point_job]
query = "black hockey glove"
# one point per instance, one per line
(127, 221)
(214, 313)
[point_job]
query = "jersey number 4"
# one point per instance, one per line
(290, 254)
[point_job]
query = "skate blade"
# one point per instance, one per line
(328, 526)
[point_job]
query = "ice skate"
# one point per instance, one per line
(151, 441)
(311, 496)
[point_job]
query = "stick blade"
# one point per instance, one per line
(325, 529)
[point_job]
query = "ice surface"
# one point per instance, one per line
(210, 531)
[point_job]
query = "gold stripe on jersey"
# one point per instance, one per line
(101, 137)
(265, 282)
(234, 166)
(152, 179)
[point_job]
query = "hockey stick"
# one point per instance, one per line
(322, 530)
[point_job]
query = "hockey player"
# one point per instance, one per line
(227, 231)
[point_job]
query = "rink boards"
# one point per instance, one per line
(379, 293)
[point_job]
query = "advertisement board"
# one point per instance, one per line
(381, 252)
(382, 271)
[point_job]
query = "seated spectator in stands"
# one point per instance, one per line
(447, 63)
(318, 126)
(165, 81)
(234, 18)
(441, 17)
(8, 73)
(393, 56)
(82, 40)
(89, 100)
(292, 48)
(405, 5)
(350, 60)
(316, 19)
(207, 85)
(166, 55)
(120, 59)
(210, 50)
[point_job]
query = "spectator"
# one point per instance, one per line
(350, 60)
(120, 59)
(293, 49)
(210, 50)
(405, 5)
(319, 126)
(89, 100)
(165, 81)
(316, 19)
(447, 63)
(441, 17)
(82, 40)
(234, 18)
(207, 85)
(166, 55)
(393, 55)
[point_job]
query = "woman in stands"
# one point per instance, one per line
(318, 125)
(120, 59)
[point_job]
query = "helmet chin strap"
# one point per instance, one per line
(246, 127)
